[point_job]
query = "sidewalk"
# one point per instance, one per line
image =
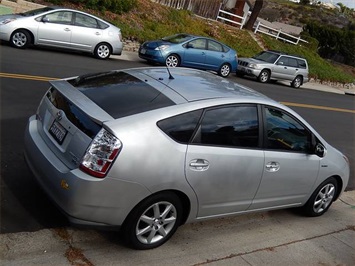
(270, 238)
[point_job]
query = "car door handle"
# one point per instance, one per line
(98, 33)
(66, 29)
(203, 53)
(199, 165)
(272, 166)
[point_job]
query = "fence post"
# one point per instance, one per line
(278, 34)
(298, 40)
(257, 27)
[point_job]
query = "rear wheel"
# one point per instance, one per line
(20, 39)
(321, 198)
(224, 70)
(102, 51)
(264, 76)
(297, 82)
(153, 221)
(172, 61)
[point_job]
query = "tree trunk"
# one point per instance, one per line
(254, 14)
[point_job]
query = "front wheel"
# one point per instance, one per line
(264, 76)
(172, 61)
(224, 70)
(20, 39)
(153, 221)
(102, 51)
(321, 198)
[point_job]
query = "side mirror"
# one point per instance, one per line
(45, 19)
(189, 45)
(319, 150)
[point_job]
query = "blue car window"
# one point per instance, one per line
(215, 46)
(198, 44)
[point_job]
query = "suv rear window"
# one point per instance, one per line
(121, 94)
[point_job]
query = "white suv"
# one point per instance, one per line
(274, 65)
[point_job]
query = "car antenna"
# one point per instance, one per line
(167, 68)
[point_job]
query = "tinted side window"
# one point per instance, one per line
(233, 126)
(283, 61)
(181, 127)
(302, 63)
(85, 21)
(198, 44)
(62, 17)
(215, 46)
(285, 133)
(292, 62)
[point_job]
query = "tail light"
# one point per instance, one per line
(101, 153)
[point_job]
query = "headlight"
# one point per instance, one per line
(253, 65)
(162, 47)
(6, 21)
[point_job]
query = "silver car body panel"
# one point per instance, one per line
(61, 35)
(150, 161)
(277, 72)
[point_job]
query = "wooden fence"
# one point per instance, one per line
(203, 8)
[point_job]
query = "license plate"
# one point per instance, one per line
(58, 132)
(143, 51)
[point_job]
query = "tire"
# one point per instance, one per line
(153, 221)
(20, 39)
(322, 198)
(297, 82)
(224, 70)
(102, 51)
(172, 60)
(264, 76)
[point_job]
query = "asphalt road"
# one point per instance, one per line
(24, 207)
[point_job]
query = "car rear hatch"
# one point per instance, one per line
(73, 111)
(69, 121)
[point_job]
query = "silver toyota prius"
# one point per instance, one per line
(62, 28)
(145, 150)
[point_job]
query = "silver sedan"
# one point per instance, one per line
(62, 28)
(146, 150)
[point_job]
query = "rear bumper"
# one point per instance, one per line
(85, 200)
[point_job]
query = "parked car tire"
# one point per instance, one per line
(264, 76)
(172, 60)
(297, 82)
(102, 51)
(153, 221)
(321, 198)
(224, 70)
(20, 39)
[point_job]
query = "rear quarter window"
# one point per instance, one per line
(181, 127)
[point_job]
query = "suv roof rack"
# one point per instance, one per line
(283, 53)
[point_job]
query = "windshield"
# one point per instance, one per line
(36, 11)
(266, 57)
(178, 38)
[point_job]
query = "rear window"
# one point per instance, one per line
(121, 94)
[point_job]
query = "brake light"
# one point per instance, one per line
(101, 153)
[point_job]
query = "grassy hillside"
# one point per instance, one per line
(153, 21)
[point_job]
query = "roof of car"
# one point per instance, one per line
(194, 85)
